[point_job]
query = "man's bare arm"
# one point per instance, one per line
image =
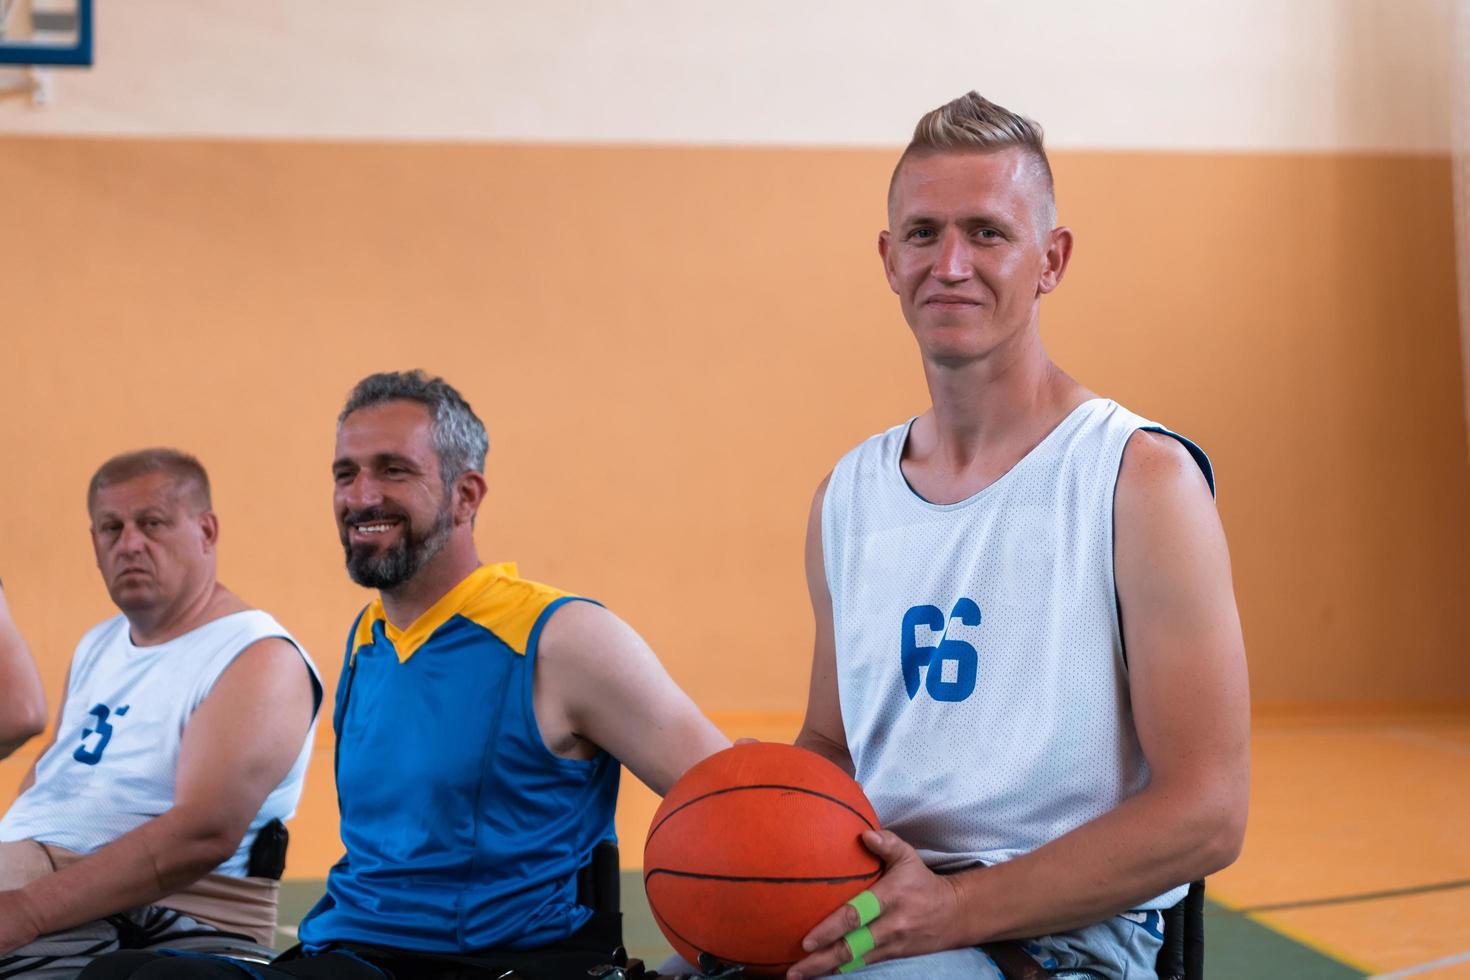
(22, 700)
(1191, 709)
(822, 731)
(237, 747)
(1187, 680)
(607, 686)
(30, 777)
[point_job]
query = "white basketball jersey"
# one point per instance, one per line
(116, 757)
(980, 662)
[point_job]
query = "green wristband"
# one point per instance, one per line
(865, 903)
(860, 943)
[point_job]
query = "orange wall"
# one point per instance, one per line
(672, 346)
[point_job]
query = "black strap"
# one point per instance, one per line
(1194, 931)
(268, 851)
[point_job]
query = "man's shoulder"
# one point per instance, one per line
(882, 437)
(869, 454)
(238, 629)
(1157, 461)
(1150, 447)
(104, 636)
(109, 629)
(210, 648)
(106, 658)
(513, 608)
(1163, 489)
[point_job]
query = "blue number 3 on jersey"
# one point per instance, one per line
(92, 756)
(915, 658)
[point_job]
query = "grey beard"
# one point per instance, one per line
(394, 567)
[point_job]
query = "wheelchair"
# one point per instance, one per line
(267, 860)
(1182, 956)
(599, 888)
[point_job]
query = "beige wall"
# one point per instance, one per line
(1256, 75)
(672, 346)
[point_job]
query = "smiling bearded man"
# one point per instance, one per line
(375, 565)
(481, 719)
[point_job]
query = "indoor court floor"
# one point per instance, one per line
(1356, 861)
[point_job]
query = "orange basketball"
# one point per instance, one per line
(751, 849)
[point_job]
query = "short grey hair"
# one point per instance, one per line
(460, 440)
(186, 471)
(973, 123)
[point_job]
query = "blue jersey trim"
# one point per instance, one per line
(527, 693)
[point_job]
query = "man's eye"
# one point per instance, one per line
(989, 233)
(921, 234)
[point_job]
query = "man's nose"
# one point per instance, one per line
(952, 263)
(130, 539)
(361, 493)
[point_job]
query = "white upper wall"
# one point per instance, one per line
(1327, 75)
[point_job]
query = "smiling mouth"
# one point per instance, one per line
(375, 528)
(379, 528)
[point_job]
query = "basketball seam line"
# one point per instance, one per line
(736, 789)
(703, 876)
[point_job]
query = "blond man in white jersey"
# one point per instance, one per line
(1027, 647)
(184, 729)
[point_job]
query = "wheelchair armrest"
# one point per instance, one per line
(599, 881)
(268, 851)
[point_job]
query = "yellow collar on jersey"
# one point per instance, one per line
(494, 596)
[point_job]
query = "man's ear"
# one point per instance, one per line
(469, 493)
(885, 245)
(1058, 254)
(209, 526)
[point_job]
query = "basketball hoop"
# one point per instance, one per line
(37, 35)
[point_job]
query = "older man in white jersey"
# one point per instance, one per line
(184, 733)
(1027, 645)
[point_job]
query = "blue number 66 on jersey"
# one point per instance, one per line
(916, 658)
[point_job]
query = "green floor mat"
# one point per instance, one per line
(1239, 948)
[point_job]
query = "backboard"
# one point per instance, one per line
(46, 32)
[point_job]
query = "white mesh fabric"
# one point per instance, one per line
(1044, 741)
(149, 694)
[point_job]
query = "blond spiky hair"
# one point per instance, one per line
(972, 123)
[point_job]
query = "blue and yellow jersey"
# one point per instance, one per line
(463, 831)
